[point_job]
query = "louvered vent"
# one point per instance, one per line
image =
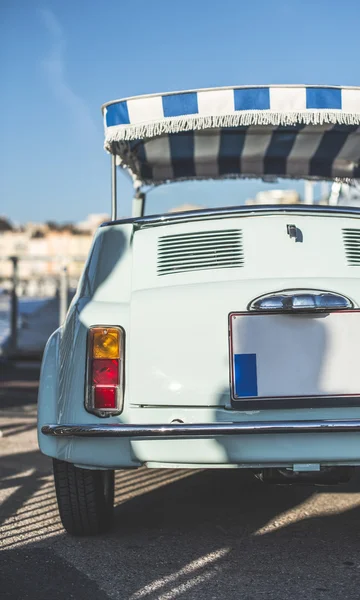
(199, 251)
(352, 246)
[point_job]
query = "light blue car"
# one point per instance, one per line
(219, 338)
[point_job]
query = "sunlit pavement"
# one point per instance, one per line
(177, 534)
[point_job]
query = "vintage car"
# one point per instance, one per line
(214, 338)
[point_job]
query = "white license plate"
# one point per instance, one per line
(282, 356)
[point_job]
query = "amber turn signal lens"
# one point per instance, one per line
(105, 342)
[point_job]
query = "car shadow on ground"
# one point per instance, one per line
(225, 522)
(189, 534)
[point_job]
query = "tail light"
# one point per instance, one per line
(105, 371)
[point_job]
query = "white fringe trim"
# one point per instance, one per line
(245, 118)
(233, 177)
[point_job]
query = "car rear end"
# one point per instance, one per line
(236, 344)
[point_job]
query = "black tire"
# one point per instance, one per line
(85, 498)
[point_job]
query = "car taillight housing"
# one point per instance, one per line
(105, 380)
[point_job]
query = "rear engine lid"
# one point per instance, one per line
(239, 248)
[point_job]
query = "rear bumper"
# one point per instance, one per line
(201, 430)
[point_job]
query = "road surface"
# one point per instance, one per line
(201, 535)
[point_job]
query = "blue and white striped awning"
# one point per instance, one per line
(285, 131)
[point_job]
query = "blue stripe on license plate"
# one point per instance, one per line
(245, 375)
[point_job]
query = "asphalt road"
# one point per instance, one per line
(201, 535)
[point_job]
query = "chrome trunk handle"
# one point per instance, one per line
(299, 301)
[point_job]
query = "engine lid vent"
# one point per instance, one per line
(352, 246)
(222, 249)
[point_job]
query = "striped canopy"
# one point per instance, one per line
(286, 131)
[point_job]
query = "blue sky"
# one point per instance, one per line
(61, 59)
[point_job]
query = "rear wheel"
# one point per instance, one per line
(85, 498)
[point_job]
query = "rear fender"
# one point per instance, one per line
(48, 392)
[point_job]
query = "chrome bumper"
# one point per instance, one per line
(201, 430)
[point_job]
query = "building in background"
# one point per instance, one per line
(275, 197)
(42, 250)
(185, 208)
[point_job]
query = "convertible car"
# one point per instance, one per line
(213, 338)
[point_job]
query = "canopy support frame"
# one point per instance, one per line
(113, 188)
(138, 204)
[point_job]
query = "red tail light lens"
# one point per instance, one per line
(105, 371)
(104, 397)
